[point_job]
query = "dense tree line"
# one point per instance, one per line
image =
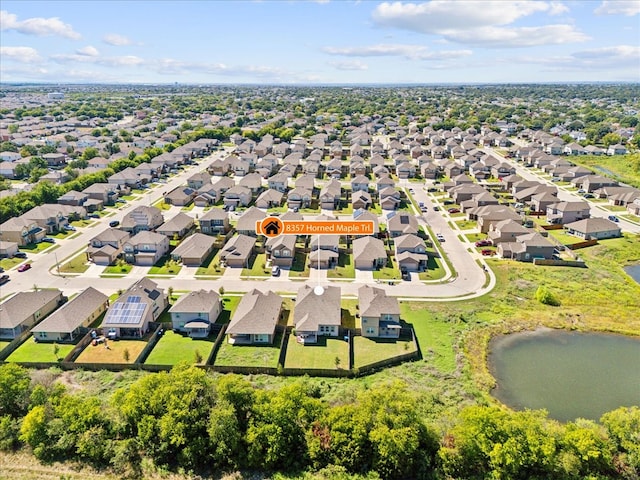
(187, 420)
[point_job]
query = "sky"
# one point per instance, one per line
(319, 42)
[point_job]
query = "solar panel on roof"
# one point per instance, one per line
(133, 299)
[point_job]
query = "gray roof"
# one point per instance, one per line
(374, 302)
(215, 214)
(177, 223)
(74, 313)
(146, 237)
(195, 302)
(257, 313)
(239, 246)
(248, 219)
(409, 240)
(313, 310)
(195, 245)
(593, 225)
(368, 248)
(22, 305)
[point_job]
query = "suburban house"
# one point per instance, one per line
(105, 247)
(567, 212)
(145, 248)
(237, 251)
(255, 318)
(142, 218)
(299, 197)
(8, 249)
(177, 227)
(389, 198)
(527, 247)
(317, 313)
(593, 229)
(25, 309)
(73, 318)
(281, 250)
(104, 192)
(366, 216)
(238, 196)
(180, 196)
(194, 250)
(330, 195)
(21, 231)
(131, 313)
(199, 180)
(411, 253)
(269, 198)
(214, 222)
(73, 198)
(506, 231)
(361, 200)
(253, 181)
(369, 253)
(246, 224)
(278, 182)
(194, 312)
(401, 224)
(379, 313)
(360, 183)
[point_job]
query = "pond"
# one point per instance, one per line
(570, 374)
(633, 271)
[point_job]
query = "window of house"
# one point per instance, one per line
(370, 330)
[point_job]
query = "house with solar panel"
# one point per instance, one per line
(129, 316)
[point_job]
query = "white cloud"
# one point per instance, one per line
(614, 58)
(618, 7)
(88, 51)
(20, 54)
(413, 52)
(349, 65)
(123, 61)
(478, 22)
(116, 40)
(37, 26)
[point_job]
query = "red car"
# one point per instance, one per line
(454, 210)
(488, 252)
(483, 243)
(24, 267)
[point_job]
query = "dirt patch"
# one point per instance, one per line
(67, 379)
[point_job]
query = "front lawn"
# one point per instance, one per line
(80, 223)
(258, 267)
(113, 352)
(78, 264)
(322, 355)
(249, 355)
(8, 263)
(466, 224)
(212, 266)
(344, 269)
(173, 348)
(434, 271)
(30, 351)
(35, 247)
(435, 336)
(389, 272)
(121, 268)
(165, 266)
(300, 266)
(371, 350)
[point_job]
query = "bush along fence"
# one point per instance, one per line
(69, 362)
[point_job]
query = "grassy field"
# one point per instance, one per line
(173, 348)
(367, 351)
(78, 264)
(625, 168)
(436, 336)
(323, 355)
(30, 351)
(249, 355)
(114, 354)
(344, 269)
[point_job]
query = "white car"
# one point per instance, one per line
(440, 237)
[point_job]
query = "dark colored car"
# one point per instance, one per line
(454, 210)
(483, 243)
(114, 223)
(488, 252)
(4, 279)
(20, 255)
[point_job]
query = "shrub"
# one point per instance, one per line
(544, 296)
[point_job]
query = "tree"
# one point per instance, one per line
(15, 388)
(623, 425)
(611, 139)
(56, 350)
(126, 355)
(89, 153)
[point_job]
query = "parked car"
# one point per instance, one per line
(49, 240)
(488, 252)
(93, 215)
(69, 228)
(613, 218)
(423, 209)
(483, 243)
(440, 237)
(20, 255)
(1, 270)
(114, 223)
(436, 208)
(275, 271)
(589, 195)
(581, 191)
(4, 279)
(448, 202)
(24, 267)
(454, 210)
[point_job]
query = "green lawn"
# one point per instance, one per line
(249, 355)
(344, 269)
(467, 224)
(173, 348)
(8, 263)
(122, 269)
(36, 247)
(165, 266)
(300, 266)
(368, 350)
(622, 167)
(77, 264)
(30, 351)
(564, 238)
(258, 267)
(630, 217)
(81, 223)
(188, 208)
(435, 336)
(161, 205)
(62, 234)
(348, 311)
(389, 272)
(229, 305)
(212, 266)
(435, 270)
(3, 344)
(323, 355)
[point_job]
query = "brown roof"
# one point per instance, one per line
(74, 313)
(257, 313)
